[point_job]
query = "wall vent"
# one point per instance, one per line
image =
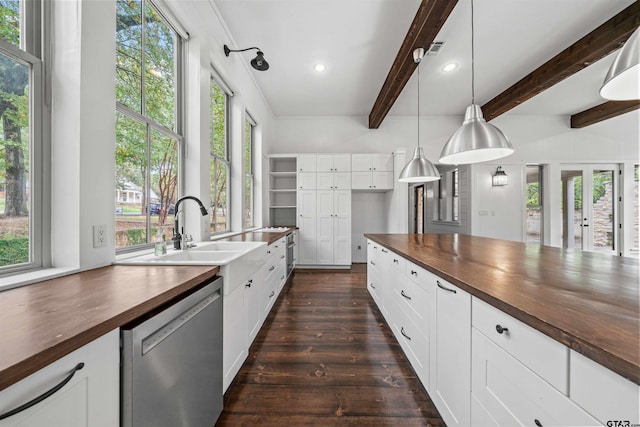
(435, 48)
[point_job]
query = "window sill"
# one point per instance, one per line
(31, 277)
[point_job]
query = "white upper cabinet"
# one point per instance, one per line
(334, 162)
(372, 162)
(333, 181)
(307, 163)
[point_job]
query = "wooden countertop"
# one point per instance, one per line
(587, 301)
(43, 322)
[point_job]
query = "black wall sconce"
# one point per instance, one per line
(500, 178)
(259, 63)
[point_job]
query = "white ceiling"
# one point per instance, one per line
(358, 40)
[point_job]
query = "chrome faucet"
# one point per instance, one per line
(177, 236)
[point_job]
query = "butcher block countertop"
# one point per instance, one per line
(259, 236)
(43, 322)
(587, 301)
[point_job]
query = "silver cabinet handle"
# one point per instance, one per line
(446, 289)
(405, 295)
(403, 334)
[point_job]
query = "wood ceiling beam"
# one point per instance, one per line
(599, 43)
(603, 112)
(428, 21)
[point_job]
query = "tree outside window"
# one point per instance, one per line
(249, 127)
(219, 159)
(147, 142)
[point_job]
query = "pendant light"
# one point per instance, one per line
(476, 140)
(419, 169)
(623, 79)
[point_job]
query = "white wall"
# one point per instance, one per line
(537, 139)
(368, 215)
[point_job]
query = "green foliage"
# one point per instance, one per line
(10, 21)
(136, 236)
(14, 251)
(533, 195)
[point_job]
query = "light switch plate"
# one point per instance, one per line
(99, 235)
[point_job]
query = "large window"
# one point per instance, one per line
(219, 164)
(249, 129)
(21, 145)
(148, 139)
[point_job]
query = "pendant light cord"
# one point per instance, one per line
(473, 83)
(419, 103)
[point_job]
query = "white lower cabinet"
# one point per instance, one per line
(234, 348)
(511, 394)
(451, 380)
(90, 399)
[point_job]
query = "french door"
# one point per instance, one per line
(588, 207)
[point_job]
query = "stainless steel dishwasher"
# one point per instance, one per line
(172, 364)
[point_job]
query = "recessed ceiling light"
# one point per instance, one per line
(319, 68)
(450, 67)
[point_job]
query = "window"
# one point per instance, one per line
(533, 191)
(447, 208)
(21, 145)
(219, 164)
(148, 142)
(249, 129)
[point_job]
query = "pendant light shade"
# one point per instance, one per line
(623, 79)
(419, 169)
(475, 141)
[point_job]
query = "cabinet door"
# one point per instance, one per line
(306, 163)
(342, 227)
(307, 230)
(324, 163)
(342, 181)
(307, 180)
(361, 162)
(90, 399)
(453, 354)
(382, 162)
(325, 227)
(324, 181)
(361, 180)
(234, 340)
(382, 180)
(252, 301)
(342, 163)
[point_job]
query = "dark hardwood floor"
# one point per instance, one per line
(326, 357)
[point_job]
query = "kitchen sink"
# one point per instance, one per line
(237, 260)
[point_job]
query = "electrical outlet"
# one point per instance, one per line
(99, 235)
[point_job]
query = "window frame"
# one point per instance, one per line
(248, 174)
(449, 180)
(228, 93)
(151, 124)
(30, 53)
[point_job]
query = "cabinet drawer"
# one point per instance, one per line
(543, 355)
(414, 300)
(513, 395)
(603, 393)
(413, 340)
(397, 265)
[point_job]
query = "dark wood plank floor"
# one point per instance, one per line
(326, 357)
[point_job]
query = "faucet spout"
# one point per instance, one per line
(177, 236)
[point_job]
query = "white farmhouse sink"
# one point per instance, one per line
(237, 260)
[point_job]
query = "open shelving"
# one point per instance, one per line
(282, 190)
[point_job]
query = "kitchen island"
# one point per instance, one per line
(539, 335)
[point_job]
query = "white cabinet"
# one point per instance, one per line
(510, 394)
(307, 180)
(334, 162)
(252, 305)
(306, 163)
(379, 162)
(90, 399)
(307, 227)
(333, 181)
(372, 172)
(605, 394)
(452, 376)
(234, 348)
(334, 227)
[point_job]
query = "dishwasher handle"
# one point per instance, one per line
(151, 341)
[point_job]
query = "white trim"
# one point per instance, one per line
(165, 12)
(216, 76)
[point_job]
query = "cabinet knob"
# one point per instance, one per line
(538, 423)
(395, 260)
(414, 273)
(372, 263)
(372, 285)
(272, 294)
(501, 330)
